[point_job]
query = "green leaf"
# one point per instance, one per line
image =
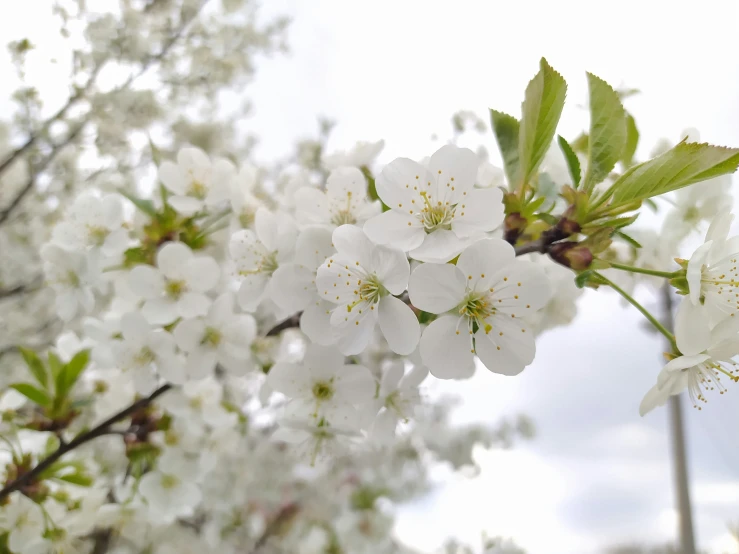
(583, 278)
(66, 378)
(683, 165)
(34, 394)
(76, 479)
(542, 108)
(506, 129)
(607, 131)
(573, 162)
(628, 238)
(35, 365)
(146, 206)
(632, 141)
(156, 154)
(55, 364)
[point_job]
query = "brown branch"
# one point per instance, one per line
(285, 514)
(5, 214)
(98, 431)
(7, 293)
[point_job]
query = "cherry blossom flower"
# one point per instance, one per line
(344, 201)
(177, 287)
(144, 351)
(257, 255)
(483, 302)
(23, 518)
(713, 281)
(435, 212)
(171, 490)
(398, 397)
(195, 181)
(221, 337)
(323, 386)
(701, 368)
(362, 278)
(72, 275)
(94, 223)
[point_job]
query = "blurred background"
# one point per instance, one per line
(597, 476)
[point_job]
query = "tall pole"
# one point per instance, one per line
(677, 438)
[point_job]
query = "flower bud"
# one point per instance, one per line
(571, 254)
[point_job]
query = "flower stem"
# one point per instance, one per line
(653, 320)
(643, 270)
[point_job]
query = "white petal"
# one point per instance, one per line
(202, 273)
(135, 328)
(480, 211)
(193, 304)
(392, 268)
(313, 247)
(400, 181)
(354, 330)
(346, 185)
(251, 292)
(311, 206)
(391, 378)
(351, 242)
(185, 205)
(201, 364)
(173, 177)
(355, 384)
(446, 351)
(481, 260)
(193, 159)
(266, 225)
(436, 288)
(692, 332)
(521, 288)
(315, 322)
(323, 361)
(189, 333)
(292, 380)
(655, 397)
(439, 246)
(160, 311)
(401, 230)
(685, 362)
(172, 259)
(399, 325)
(694, 271)
(455, 172)
(146, 281)
(222, 309)
(507, 348)
(337, 279)
(292, 288)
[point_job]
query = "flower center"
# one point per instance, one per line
(707, 377)
(73, 280)
(169, 481)
(246, 218)
(477, 308)
(97, 234)
(212, 337)
(145, 356)
(371, 290)
(174, 289)
(268, 264)
(323, 391)
(438, 216)
(343, 217)
(197, 190)
(692, 214)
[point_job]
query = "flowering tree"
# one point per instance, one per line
(242, 356)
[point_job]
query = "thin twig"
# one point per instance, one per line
(93, 433)
(5, 214)
(285, 514)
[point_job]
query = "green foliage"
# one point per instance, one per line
(70, 373)
(35, 366)
(542, 108)
(607, 138)
(683, 165)
(632, 141)
(34, 394)
(573, 162)
(146, 206)
(506, 129)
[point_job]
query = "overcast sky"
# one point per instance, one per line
(597, 473)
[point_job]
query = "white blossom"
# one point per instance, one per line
(435, 212)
